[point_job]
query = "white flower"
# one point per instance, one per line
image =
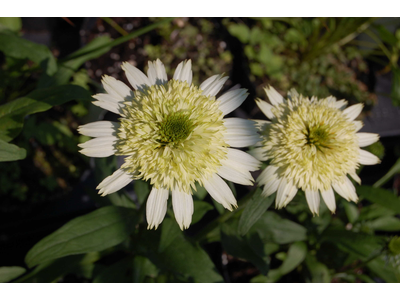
(173, 134)
(311, 144)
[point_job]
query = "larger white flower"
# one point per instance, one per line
(173, 134)
(311, 145)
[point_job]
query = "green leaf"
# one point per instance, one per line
(395, 92)
(143, 267)
(272, 228)
(200, 209)
(10, 152)
(96, 231)
(12, 114)
(374, 211)
(142, 190)
(14, 46)
(9, 273)
(249, 248)
(240, 31)
(12, 23)
(384, 269)
(386, 35)
(380, 196)
(254, 209)
(362, 245)
(351, 211)
(117, 272)
(395, 169)
(394, 245)
(386, 223)
(319, 272)
(169, 231)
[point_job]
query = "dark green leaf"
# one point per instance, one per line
(12, 23)
(250, 247)
(142, 190)
(254, 209)
(119, 272)
(384, 269)
(394, 245)
(380, 196)
(395, 92)
(200, 209)
(143, 267)
(9, 273)
(374, 211)
(12, 114)
(99, 230)
(395, 169)
(169, 231)
(10, 152)
(351, 211)
(386, 223)
(20, 48)
(385, 35)
(319, 272)
(272, 228)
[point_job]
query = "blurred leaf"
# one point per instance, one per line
(374, 211)
(395, 169)
(143, 267)
(99, 230)
(394, 245)
(240, 31)
(249, 248)
(395, 92)
(9, 273)
(52, 271)
(272, 228)
(380, 196)
(169, 231)
(12, 23)
(385, 35)
(386, 223)
(119, 272)
(200, 209)
(12, 114)
(384, 269)
(254, 209)
(319, 271)
(142, 190)
(362, 245)
(10, 152)
(21, 48)
(351, 211)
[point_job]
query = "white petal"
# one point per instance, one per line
(366, 139)
(258, 153)
(183, 208)
(234, 175)
(346, 190)
(232, 100)
(265, 108)
(292, 93)
(329, 198)
(242, 160)
(156, 73)
(358, 124)
(99, 128)
(156, 207)
(114, 182)
(269, 173)
(99, 146)
(261, 124)
(271, 187)
(184, 72)
(136, 78)
(213, 85)
(286, 191)
(116, 88)
(220, 191)
(340, 104)
(313, 201)
(353, 111)
(355, 177)
(114, 107)
(274, 97)
(240, 132)
(367, 158)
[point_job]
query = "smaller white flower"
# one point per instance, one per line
(311, 144)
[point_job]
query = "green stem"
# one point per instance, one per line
(114, 25)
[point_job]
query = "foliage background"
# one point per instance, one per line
(55, 228)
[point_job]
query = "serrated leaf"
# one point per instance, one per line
(96, 231)
(12, 114)
(10, 152)
(380, 196)
(9, 273)
(254, 209)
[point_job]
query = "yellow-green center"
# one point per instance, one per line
(175, 127)
(318, 136)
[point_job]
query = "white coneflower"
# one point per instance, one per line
(172, 133)
(311, 144)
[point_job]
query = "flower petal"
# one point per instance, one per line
(366, 139)
(346, 190)
(114, 182)
(234, 175)
(156, 207)
(116, 88)
(274, 97)
(156, 73)
(353, 111)
(232, 100)
(99, 147)
(184, 72)
(286, 191)
(242, 160)
(136, 78)
(313, 201)
(329, 198)
(240, 132)
(183, 208)
(220, 191)
(367, 158)
(99, 129)
(109, 103)
(259, 153)
(358, 124)
(265, 108)
(213, 85)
